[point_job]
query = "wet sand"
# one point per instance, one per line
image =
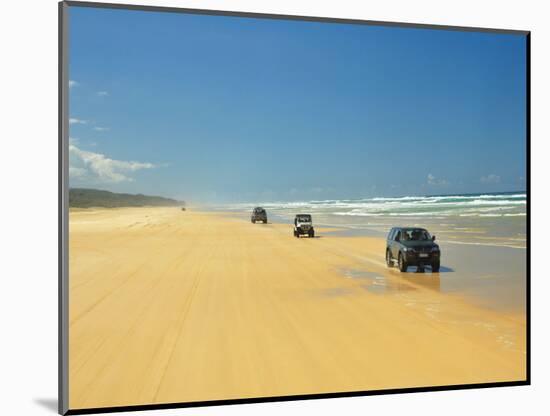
(172, 306)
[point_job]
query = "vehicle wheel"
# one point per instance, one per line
(435, 266)
(402, 263)
(389, 261)
(311, 234)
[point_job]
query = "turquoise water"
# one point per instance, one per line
(483, 219)
(476, 205)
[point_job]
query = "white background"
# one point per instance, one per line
(28, 207)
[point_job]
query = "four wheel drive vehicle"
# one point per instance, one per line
(303, 226)
(258, 214)
(412, 247)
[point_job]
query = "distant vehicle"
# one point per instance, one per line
(303, 226)
(411, 246)
(183, 208)
(258, 214)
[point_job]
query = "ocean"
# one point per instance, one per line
(497, 219)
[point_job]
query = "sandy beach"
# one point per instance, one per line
(179, 306)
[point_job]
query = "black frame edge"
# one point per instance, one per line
(169, 9)
(528, 189)
(63, 293)
(270, 399)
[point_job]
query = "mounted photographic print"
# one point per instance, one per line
(259, 207)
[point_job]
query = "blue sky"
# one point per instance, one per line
(213, 108)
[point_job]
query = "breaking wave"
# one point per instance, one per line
(477, 205)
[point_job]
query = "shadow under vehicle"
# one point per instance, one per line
(412, 246)
(258, 214)
(303, 225)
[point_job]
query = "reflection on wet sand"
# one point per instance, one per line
(394, 281)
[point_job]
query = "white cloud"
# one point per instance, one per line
(76, 173)
(96, 167)
(432, 180)
(492, 178)
(102, 93)
(77, 121)
(97, 128)
(73, 83)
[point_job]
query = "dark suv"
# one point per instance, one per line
(411, 246)
(258, 214)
